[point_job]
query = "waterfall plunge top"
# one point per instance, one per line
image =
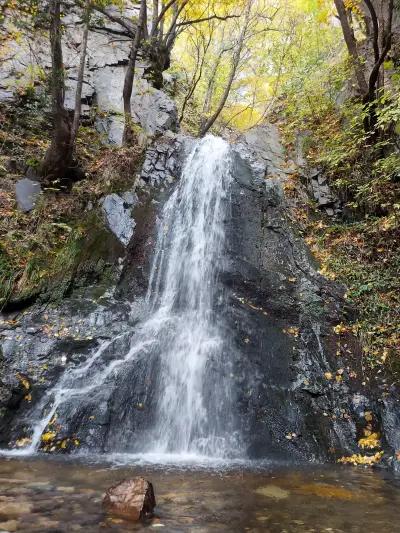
(190, 236)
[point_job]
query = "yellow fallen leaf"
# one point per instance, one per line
(20, 443)
(340, 328)
(49, 436)
(328, 375)
(370, 441)
(292, 331)
(24, 382)
(358, 459)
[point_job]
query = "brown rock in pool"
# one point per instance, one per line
(132, 499)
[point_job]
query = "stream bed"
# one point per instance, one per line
(65, 494)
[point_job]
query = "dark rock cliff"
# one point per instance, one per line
(298, 383)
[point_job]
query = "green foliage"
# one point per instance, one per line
(365, 257)
(315, 97)
(59, 244)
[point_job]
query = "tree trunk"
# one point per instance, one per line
(81, 72)
(130, 73)
(154, 20)
(385, 35)
(58, 158)
(235, 63)
(210, 90)
(351, 44)
(160, 24)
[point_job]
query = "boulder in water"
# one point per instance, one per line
(132, 499)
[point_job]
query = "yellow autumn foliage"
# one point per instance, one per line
(24, 441)
(371, 441)
(49, 436)
(340, 329)
(358, 459)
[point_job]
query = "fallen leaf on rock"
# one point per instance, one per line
(370, 441)
(340, 329)
(358, 459)
(292, 331)
(25, 441)
(24, 382)
(49, 436)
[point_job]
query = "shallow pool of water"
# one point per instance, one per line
(64, 495)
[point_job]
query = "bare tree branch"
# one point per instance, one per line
(205, 19)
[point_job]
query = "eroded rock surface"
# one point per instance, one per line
(118, 213)
(107, 57)
(282, 317)
(163, 161)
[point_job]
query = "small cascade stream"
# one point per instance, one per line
(179, 353)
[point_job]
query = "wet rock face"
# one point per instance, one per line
(39, 346)
(282, 316)
(132, 499)
(299, 382)
(163, 162)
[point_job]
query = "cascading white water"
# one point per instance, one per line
(182, 290)
(183, 331)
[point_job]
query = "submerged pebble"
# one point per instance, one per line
(272, 491)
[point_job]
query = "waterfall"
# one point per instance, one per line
(182, 292)
(182, 345)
